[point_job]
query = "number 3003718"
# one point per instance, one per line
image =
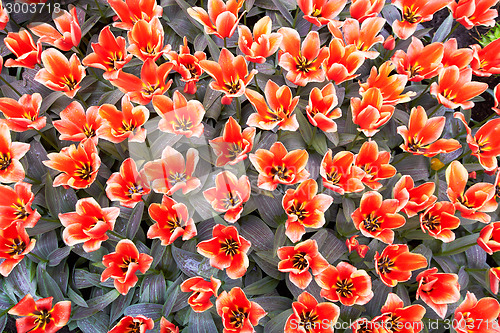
(25, 8)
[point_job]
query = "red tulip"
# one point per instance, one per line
(22, 115)
(343, 61)
(353, 245)
(15, 206)
(68, 33)
(187, 65)
(262, 44)
(202, 291)
(278, 166)
(228, 195)
(421, 135)
(375, 164)
(437, 290)
(179, 116)
(471, 13)
(473, 316)
(339, 174)
(420, 62)
(129, 324)
(14, 245)
(11, 170)
(489, 238)
(234, 145)
(280, 110)
(4, 17)
(123, 264)
(485, 61)
(496, 92)
(88, 224)
(21, 44)
(305, 208)
(312, 317)
(298, 259)
(226, 250)
(221, 19)
(320, 110)
(79, 165)
(167, 327)
(396, 263)
(146, 40)
(362, 9)
(364, 325)
(127, 186)
(398, 318)
(439, 219)
(370, 113)
(346, 284)
(454, 56)
(131, 11)
(320, 12)
(39, 316)
(304, 64)
(239, 315)
(413, 200)
(494, 277)
(172, 172)
(171, 221)
(78, 125)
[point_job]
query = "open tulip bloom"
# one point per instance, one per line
(240, 166)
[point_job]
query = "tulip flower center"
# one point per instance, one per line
(84, 171)
(308, 320)
(497, 191)
(393, 323)
(411, 15)
(281, 172)
(70, 82)
(230, 247)
(134, 327)
(365, 328)
(42, 319)
(88, 131)
(369, 170)
(371, 222)
(177, 177)
(298, 209)
(183, 124)
(127, 126)
(463, 200)
(29, 116)
(20, 212)
(231, 200)
(385, 265)
(233, 87)
(192, 69)
(173, 223)
(303, 65)
(300, 261)
(414, 145)
(449, 94)
(134, 189)
(415, 70)
(344, 287)
(5, 160)
(431, 222)
(149, 89)
(234, 150)
(237, 317)
(316, 12)
(17, 247)
(114, 57)
(126, 262)
(483, 145)
(149, 49)
(333, 177)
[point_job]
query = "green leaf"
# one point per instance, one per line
(264, 286)
(443, 30)
(77, 298)
(305, 128)
(59, 200)
(192, 264)
(153, 289)
(95, 324)
(277, 324)
(47, 287)
(153, 311)
(257, 232)
(459, 245)
(134, 221)
(201, 323)
(95, 305)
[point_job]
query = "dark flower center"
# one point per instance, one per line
(84, 171)
(17, 247)
(303, 65)
(298, 209)
(5, 160)
(233, 87)
(230, 247)
(237, 317)
(230, 200)
(300, 261)
(385, 265)
(177, 177)
(371, 222)
(308, 320)
(344, 288)
(411, 15)
(431, 222)
(183, 124)
(88, 131)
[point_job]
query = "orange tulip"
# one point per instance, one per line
(421, 135)
(88, 224)
(153, 82)
(226, 250)
(187, 65)
(320, 110)
(59, 74)
(139, 323)
(131, 11)
(21, 44)
(474, 202)
(376, 217)
(15, 206)
(280, 110)
(239, 315)
(389, 43)
(455, 88)
(454, 56)
(415, 12)
(391, 86)
(171, 221)
(396, 263)
(345, 283)
(439, 219)
(339, 174)
(398, 318)
(413, 199)
(362, 9)
(420, 62)
(473, 316)
(494, 276)
(4, 17)
(370, 113)
(11, 170)
(202, 291)
(14, 245)
(110, 53)
(297, 260)
(167, 327)
(123, 264)
(179, 116)
(234, 145)
(172, 172)
(471, 13)
(79, 165)
(304, 208)
(320, 12)
(221, 19)
(22, 115)
(343, 61)
(228, 195)
(484, 144)
(125, 124)
(496, 92)
(312, 317)
(364, 325)
(304, 64)
(68, 33)
(78, 125)
(230, 74)
(262, 45)
(127, 186)
(375, 164)
(278, 166)
(485, 61)
(489, 238)
(437, 290)
(353, 245)
(146, 40)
